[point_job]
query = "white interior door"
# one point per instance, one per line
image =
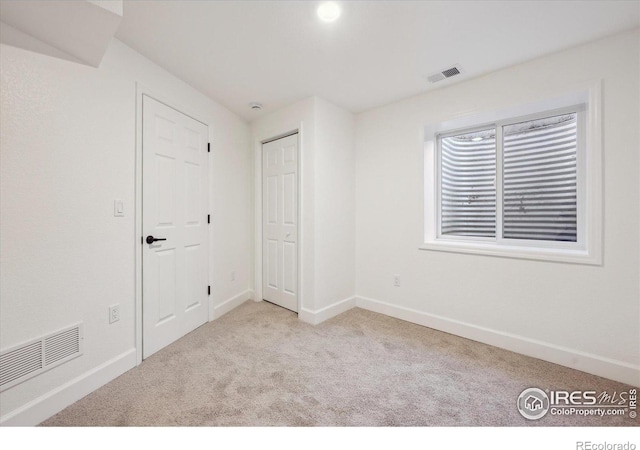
(174, 211)
(280, 222)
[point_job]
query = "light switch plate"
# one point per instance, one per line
(118, 208)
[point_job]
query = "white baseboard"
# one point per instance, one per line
(574, 359)
(231, 303)
(320, 315)
(56, 400)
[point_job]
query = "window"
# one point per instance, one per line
(468, 184)
(539, 179)
(536, 194)
(525, 184)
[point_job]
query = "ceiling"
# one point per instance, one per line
(377, 52)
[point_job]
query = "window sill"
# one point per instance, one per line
(531, 253)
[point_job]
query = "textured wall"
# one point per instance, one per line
(67, 151)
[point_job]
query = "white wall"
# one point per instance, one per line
(67, 151)
(327, 198)
(589, 312)
(335, 205)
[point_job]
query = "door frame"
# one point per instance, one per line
(142, 90)
(259, 140)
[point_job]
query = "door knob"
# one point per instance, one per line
(151, 239)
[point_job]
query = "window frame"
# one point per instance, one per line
(588, 247)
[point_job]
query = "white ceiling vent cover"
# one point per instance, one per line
(32, 358)
(446, 73)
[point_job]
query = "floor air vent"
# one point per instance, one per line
(24, 361)
(446, 73)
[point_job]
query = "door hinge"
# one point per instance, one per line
(208, 290)
(208, 147)
(208, 218)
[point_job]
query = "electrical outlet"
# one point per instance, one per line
(396, 280)
(114, 313)
(233, 275)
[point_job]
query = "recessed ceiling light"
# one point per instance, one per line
(255, 106)
(328, 11)
(476, 139)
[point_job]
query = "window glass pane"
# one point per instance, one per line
(539, 179)
(468, 170)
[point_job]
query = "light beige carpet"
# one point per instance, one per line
(259, 365)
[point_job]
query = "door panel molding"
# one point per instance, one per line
(174, 160)
(287, 129)
(280, 221)
(195, 114)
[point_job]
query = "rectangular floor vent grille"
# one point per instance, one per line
(24, 361)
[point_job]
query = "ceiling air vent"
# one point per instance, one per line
(446, 73)
(451, 72)
(26, 360)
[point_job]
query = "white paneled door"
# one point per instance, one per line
(174, 223)
(280, 222)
